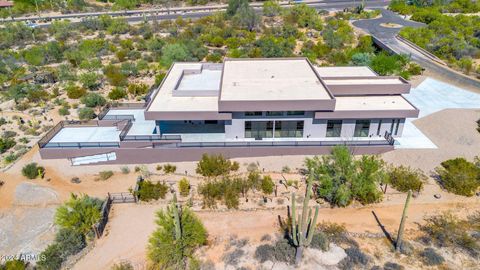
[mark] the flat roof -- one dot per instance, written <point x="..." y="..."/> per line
<point x="354" y="71"/>
<point x="165" y="101"/>
<point x="204" y="79"/>
<point x="372" y="103"/>
<point x="282" y="79"/>
<point x="86" y="134"/>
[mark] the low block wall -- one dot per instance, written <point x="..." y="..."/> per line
<point x="154" y="155"/>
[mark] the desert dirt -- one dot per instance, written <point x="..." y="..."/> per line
<point x="453" y="131"/>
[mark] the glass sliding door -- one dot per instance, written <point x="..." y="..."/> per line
<point x="362" y="128"/>
<point x="288" y="129"/>
<point x="258" y="129"/>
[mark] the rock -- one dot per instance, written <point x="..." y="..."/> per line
<point x="331" y="257"/>
<point x="282" y="266"/>
<point x="267" y="264"/>
<point x="75" y="180"/>
<point x="437" y="196"/>
<point x="7" y="105"/>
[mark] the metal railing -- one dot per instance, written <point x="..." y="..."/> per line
<point x="103" y="114"/>
<point x="125" y="130"/>
<point x="81" y="144"/>
<point x="52" y="132"/>
<point x="154" y="137"/>
<point x="273" y="143"/>
<point x="119" y="117"/>
<point x="389" y="138"/>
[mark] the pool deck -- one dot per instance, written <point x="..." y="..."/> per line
<point x="86" y="134"/>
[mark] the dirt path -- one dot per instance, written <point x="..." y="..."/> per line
<point x="131" y="225"/>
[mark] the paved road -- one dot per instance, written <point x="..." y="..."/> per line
<point x="387" y="36"/>
<point x="193" y="12"/>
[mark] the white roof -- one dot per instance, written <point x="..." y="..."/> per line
<point x="356" y="71"/>
<point x="271" y="79"/>
<point x="372" y="103"/>
<point x="165" y="101"/>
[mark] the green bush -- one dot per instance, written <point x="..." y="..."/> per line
<point x="169" y="168"/>
<point x="117" y="93"/>
<point x="122" y="266"/>
<point x="63" y="111"/>
<point x="86" y="113"/>
<point x="13" y="265"/>
<point x="5" y="144"/>
<point x="320" y="241"/>
<point x="104" y="175"/>
<point x="137" y="89"/>
<point x="215" y="165"/>
<point x="459" y="176"/>
<point x="92" y="100"/>
<point x="70" y="242"/>
<point x="32" y="170"/>
<point x="149" y="191"/>
<point x="74" y="91"/>
<point x="167" y="252"/>
<point x="405" y="178"/>
<point x="226" y="189"/>
<point x="267" y="185"/>
<point x="53" y="258"/>
<point x="184" y="187"/>
<point x="79" y="213"/>
<point x="342" y="179"/>
<point x="431" y="257"/>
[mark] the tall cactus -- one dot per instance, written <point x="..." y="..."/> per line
<point x="176" y="218"/>
<point x="398" y="243"/>
<point x="303" y="228"/>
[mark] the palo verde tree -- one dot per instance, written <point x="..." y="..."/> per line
<point x="303" y="228"/>
<point x="179" y="233"/>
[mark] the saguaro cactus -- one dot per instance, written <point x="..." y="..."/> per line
<point x="398" y="243"/>
<point x="176" y="217"/>
<point x="303" y="228"/>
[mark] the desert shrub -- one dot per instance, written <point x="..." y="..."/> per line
<point x="169" y="168"/>
<point x="93" y="100"/>
<point x="336" y="233"/>
<point x="284" y="251"/>
<point x="125" y="169"/>
<point x="286" y="169"/>
<point x="167" y="252"/>
<point x="405" y="178"/>
<point x="79" y="213"/>
<point x="122" y="266"/>
<point x="5" y="144"/>
<point x="267" y="185"/>
<point x="53" y="258"/>
<point x="355" y="257"/>
<point x="63" y="111"/>
<point x="342" y="179"/>
<point x="117" y="93"/>
<point x="225" y="189"/>
<point x="459" y="176"/>
<point x="14" y="264"/>
<point x="159" y="167"/>
<point x="319" y="241"/>
<point x="430" y="257"/>
<point x="74" y="91"/>
<point x="265" y="253"/>
<point x="137" y="89"/>
<point x="446" y="230"/>
<point x="70" y="242"/>
<point x="32" y="170"/>
<point x="149" y="191"/>
<point x="233" y="257"/>
<point x="184" y="187"/>
<point x="215" y="165"/>
<point x="86" y="114"/>
<point x="392" y="266"/>
<point x="104" y="175"/>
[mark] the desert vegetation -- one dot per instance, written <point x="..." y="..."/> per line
<point x="449" y="34"/>
<point x="459" y="176"/>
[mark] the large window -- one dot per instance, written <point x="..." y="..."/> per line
<point x="265" y="129"/>
<point x="258" y="129"/>
<point x="288" y="129"/>
<point x="362" y="127"/>
<point x="334" y="128"/>
<point x="295" y="112"/>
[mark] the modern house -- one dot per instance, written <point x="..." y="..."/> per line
<point x="241" y="108"/>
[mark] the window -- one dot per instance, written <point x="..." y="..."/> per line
<point x="379" y="126"/>
<point x="362" y="128"/>
<point x="295" y="113"/>
<point x="258" y="129"/>
<point x="334" y="128"/>
<point x="211" y="122"/>
<point x="274" y="113"/>
<point x="253" y="113"/>
<point x="288" y="129"/>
